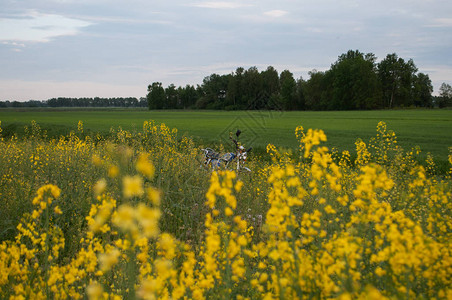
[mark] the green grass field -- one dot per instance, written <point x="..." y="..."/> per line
<point x="431" y="130"/>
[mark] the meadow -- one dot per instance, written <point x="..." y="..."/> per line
<point x="428" y="129"/>
<point x="133" y="214"/>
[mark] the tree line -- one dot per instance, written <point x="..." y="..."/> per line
<point x="354" y="82"/>
<point x="80" y="102"/>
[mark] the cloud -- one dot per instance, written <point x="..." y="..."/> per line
<point x="155" y="19"/>
<point x="16" y="47"/>
<point x="219" y="5"/>
<point x="441" y="22"/>
<point x="275" y="13"/>
<point x="37" y="27"/>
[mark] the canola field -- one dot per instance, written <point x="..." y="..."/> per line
<point x="135" y="216"/>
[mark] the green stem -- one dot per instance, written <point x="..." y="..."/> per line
<point x="46" y="254"/>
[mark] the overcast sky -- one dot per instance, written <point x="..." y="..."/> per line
<point x="112" y="48"/>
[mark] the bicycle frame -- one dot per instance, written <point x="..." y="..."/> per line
<point x="215" y="160"/>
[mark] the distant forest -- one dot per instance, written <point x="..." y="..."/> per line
<point x="354" y="82"/>
<point x="80" y="102"/>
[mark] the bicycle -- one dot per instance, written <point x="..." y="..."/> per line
<point x="215" y="160"/>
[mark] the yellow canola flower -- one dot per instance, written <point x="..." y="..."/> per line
<point x="57" y="210"/>
<point x="329" y="209"/>
<point x="167" y="244"/>
<point x="238" y="186"/>
<point x="228" y="211"/>
<point x="53" y="189"/>
<point x="312" y="138"/>
<point x="80" y="126"/>
<point x="132" y="186"/>
<point x="154" y="195"/>
<point x="109" y="259"/>
<point x="163" y="267"/>
<point x="113" y="171"/>
<point x="100" y="187"/>
<point x="144" y="166"/>
<point x="94" y="291"/>
<point x="140" y="221"/>
<point x="125" y="218"/>
<point x="148" y="218"/>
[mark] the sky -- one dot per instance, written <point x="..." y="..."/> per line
<point x="113" y="48"/>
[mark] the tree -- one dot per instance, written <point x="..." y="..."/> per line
<point x="156" y="96"/>
<point x="422" y="91"/>
<point x="252" y="89"/>
<point x="396" y="78"/>
<point x="354" y="83"/>
<point x="288" y="90"/>
<point x="300" y="98"/>
<point x="314" y="89"/>
<point x="270" y="89"/>
<point x="234" y="90"/>
<point x="270" y="80"/>
<point x="188" y="96"/>
<point x="445" y="95"/>
<point x="172" y="97"/>
<point x="143" y="102"/>
<point x="214" y="92"/>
